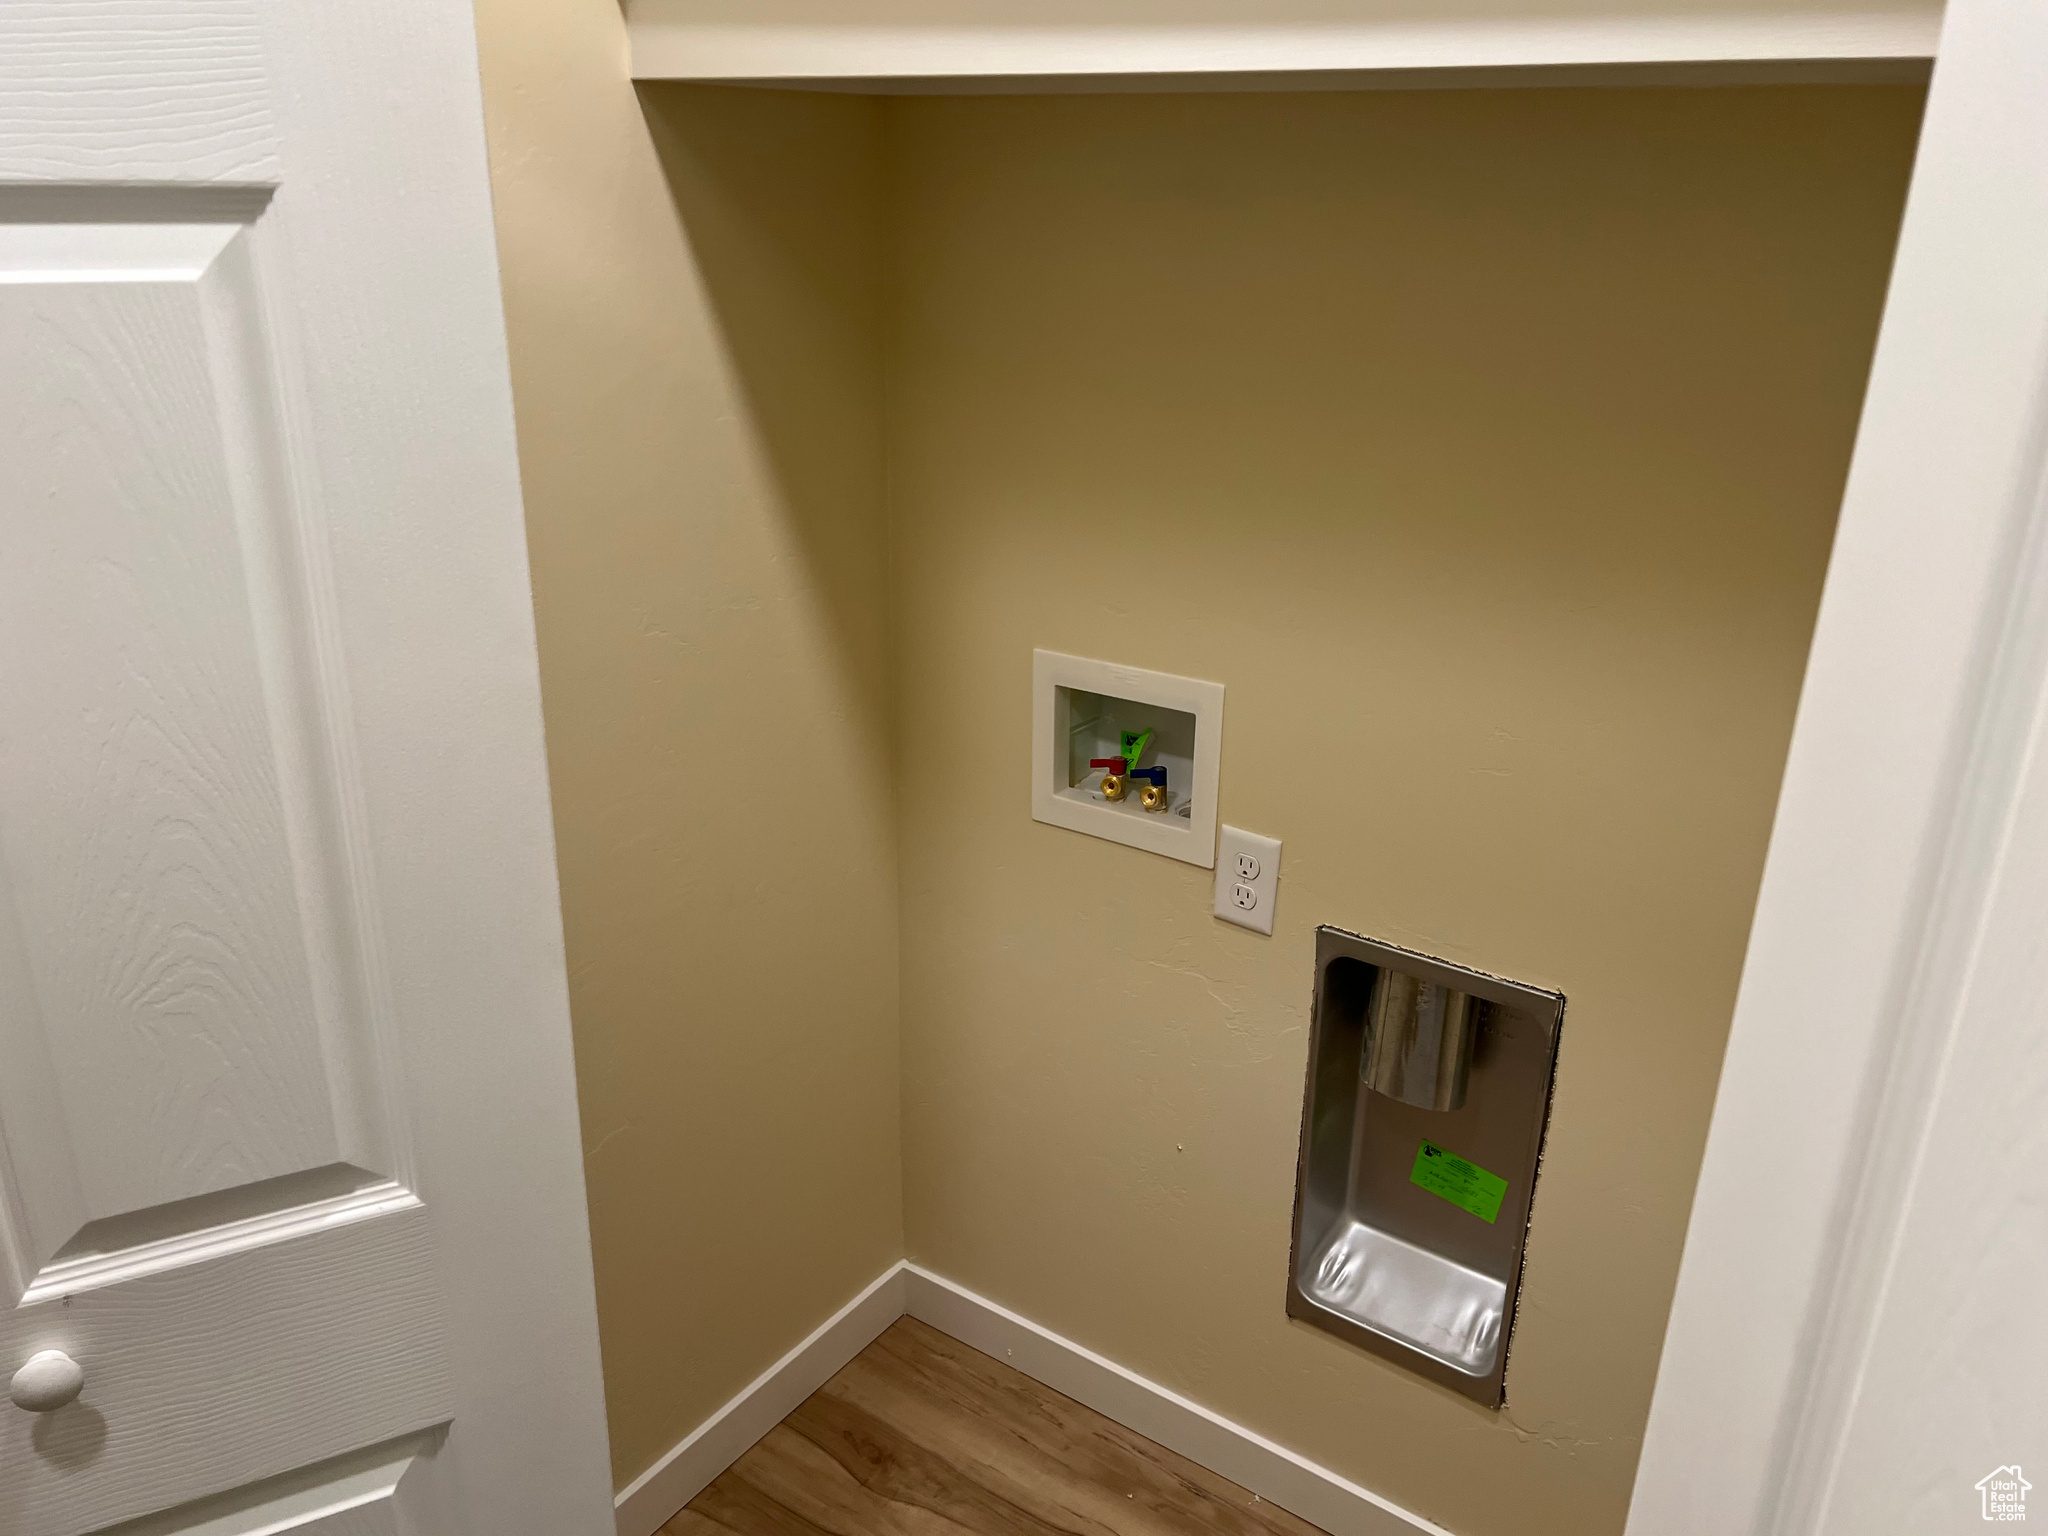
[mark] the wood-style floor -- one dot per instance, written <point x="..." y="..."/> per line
<point x="922" y="1436"/>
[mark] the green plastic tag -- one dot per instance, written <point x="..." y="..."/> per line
<point x="1135" y="743"/>
<point x="1460" y="1182"/>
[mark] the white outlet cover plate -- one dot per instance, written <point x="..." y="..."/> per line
<point x="1247" y="878"/>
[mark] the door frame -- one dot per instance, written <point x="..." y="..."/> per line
<point x="1910" y="749"/>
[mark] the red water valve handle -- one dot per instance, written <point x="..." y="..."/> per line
<point x="1115" y="765"/>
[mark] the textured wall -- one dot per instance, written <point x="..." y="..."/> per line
<point x="1487" y="447"/>
<point x="692" y="295"/>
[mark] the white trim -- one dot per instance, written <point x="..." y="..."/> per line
<point x="74" y="1277"/>
<point x="654" y="1497"/>
<point x="905" y="55"/>
<point x="1247" y="1458"/>
<point x="1873" y="960"/>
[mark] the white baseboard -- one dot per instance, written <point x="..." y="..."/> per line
<point x="655" y="1495"/>
<point x="1250" y="1460"/>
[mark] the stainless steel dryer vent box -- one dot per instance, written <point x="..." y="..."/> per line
<point x="1421" y="1131"/>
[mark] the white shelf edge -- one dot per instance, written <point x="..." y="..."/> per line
<point x="1817" y="43"/>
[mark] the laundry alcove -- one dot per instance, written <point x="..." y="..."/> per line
<point x="1485" y="444"/>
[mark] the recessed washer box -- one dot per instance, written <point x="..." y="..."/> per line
<point x="1081" y="710"/>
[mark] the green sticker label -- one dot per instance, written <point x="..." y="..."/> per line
<point x="1460" y="1182"/>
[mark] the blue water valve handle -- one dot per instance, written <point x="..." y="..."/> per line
<point x="1155" y="775"/>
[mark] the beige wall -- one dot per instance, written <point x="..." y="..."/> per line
<point x="1486" y="447"/>
<point x="691" y="289"/>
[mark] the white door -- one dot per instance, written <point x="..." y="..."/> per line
<point x="288" y="1155"/>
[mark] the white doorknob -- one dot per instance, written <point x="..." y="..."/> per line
<point x="49" y="1380"/>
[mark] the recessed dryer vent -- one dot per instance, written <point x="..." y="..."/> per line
<point x="1422" y="1126"/>
<point x="1126" y="754"/>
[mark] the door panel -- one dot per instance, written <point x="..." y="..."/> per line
<point x="370" y="1493"/>
<point x="134" y="91"/>
<point x="222" y="1372"/>
<point x="183" y="1005"/>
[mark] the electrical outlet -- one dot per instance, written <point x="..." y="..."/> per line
<point x="1247" y="878"/>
